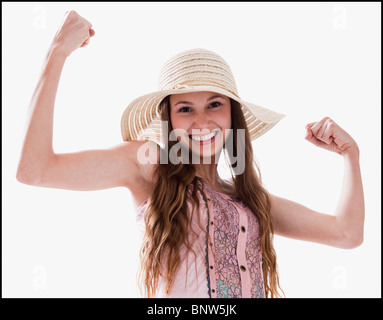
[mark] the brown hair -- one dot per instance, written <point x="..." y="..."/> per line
<point x="167" y="221"/>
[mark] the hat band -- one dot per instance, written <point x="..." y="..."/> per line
<point x="180" y="86"/>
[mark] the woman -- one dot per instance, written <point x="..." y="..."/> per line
<point x="203" y="236"/>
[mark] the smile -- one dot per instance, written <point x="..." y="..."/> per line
<point x="204" y="139"/>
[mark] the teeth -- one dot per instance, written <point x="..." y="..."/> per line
<point x="205" y="137"/>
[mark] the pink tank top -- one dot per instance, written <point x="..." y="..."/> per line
<point x="228" y="262"/>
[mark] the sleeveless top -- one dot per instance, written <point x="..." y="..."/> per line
<point x="227" y="262"/>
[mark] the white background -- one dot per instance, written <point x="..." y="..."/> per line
<point x="305" y="60"/>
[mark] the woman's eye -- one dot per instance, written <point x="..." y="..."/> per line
<point x="187" y="109"/>
<point x="215" y="104"/>
<point x="184" y="109"/>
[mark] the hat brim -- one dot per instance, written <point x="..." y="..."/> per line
<point x="141" y="120"/>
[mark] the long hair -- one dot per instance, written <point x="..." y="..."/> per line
<point x="166" y="217"/>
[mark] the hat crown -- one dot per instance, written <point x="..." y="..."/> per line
<point x="195" y="68"/>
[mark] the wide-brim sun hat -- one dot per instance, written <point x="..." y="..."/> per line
<point x="193" y="70"/>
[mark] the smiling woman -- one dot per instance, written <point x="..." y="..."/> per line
<point x="183" y="218"/>
<point x="201" y="120"/>
<point x="203" y="236"/>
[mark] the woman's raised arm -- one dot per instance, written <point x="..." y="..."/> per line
<point x="344" y="229"/>
<point x="85" y="170"/>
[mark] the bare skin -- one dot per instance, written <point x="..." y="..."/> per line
<point x="39" y="165"/>
<point x="118" y="166"/>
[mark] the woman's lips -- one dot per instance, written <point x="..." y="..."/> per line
<point x="204" y="142"/>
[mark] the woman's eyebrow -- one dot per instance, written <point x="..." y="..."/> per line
<point x="188" y="102"/>
<point x="183" y="102"/>
<point x="213" y="97"/>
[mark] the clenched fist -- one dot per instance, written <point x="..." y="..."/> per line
<point x="330" y="136"/>
<point x="74" y="32"/>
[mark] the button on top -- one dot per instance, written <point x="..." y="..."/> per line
<point x="242" y="268"/>
<point x="243" y="229"/>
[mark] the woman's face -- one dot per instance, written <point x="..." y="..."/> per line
<point x="199" y="120"/>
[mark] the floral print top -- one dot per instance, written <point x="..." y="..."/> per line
<point x="228" y="259"/>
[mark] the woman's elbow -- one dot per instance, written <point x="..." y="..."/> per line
<point x="28" y="178"/>
<point x="351" y="235"/>
<point x="353" y="241"/>
<point x="356" y="242"/>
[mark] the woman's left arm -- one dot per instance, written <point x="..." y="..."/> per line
<point x="344" y="229"/>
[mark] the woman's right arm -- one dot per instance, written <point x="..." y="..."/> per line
<point x="85" y="170"/>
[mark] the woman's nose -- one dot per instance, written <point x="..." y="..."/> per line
<point x="201" y="121"/>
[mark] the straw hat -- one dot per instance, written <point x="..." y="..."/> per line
<point x="190" y="71"/>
